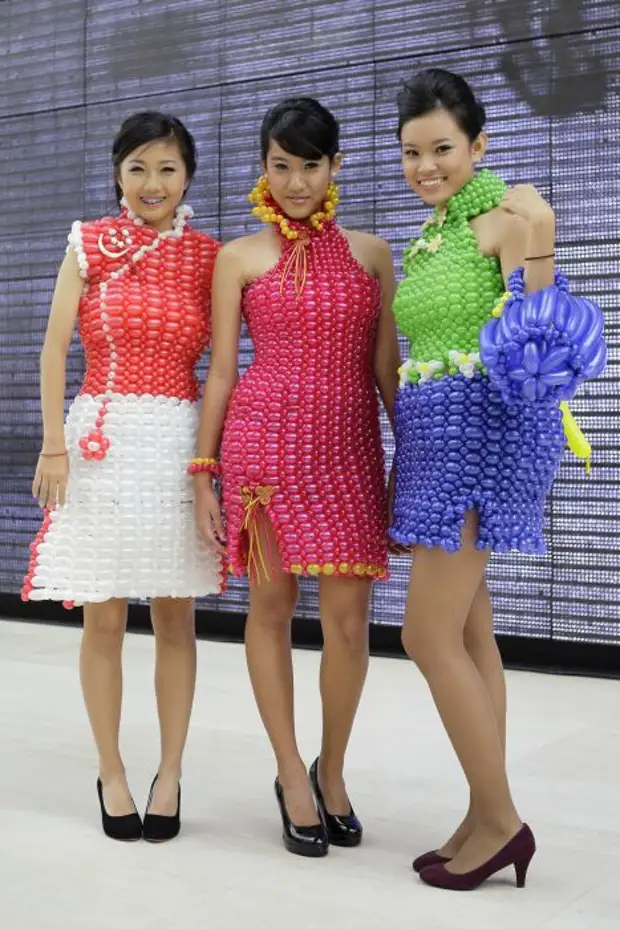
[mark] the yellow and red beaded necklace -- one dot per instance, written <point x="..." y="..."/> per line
<point x="266" y="210"/>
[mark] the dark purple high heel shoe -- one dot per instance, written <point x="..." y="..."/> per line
<point x="427" y="860"/>
<point x="518" y="852"/>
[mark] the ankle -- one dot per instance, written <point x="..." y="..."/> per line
<point x="500" y="827"/>
<point x="169" y="771"/>
<point x="112" y="773"/>
<point x="330" y="770"/>
<point x="291" y="770"/>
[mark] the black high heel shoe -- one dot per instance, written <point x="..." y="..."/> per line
<point x="126" y="828"/>
<point x="160" y="828"/>
<point x="309" y="841"/>
<point x="342" y="829"/>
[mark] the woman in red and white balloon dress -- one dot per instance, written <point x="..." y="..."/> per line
<point x="127" y="527"/>
<point x="113" y="479"/>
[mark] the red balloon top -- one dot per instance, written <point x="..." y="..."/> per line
<point x="144" y="316"/>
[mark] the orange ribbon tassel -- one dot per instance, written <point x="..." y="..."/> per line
<point x="255" y="500"/>
<point x="297" y="259"/>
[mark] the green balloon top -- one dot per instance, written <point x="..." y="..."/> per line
<point x="450" y="287"/>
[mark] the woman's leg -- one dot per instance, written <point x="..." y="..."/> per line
<point x="270" y="665"/>
<point x="482" y="648"/>
<point x="175" y="680"/>
<point x="344" y="665"/>
<point x="102" y="686"/>
<point x="441" y="594"/>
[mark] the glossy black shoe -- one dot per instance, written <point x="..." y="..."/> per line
<point x="309" y="841"/>
<point x="126" y="828"/>
<point x="160" y="828"/>
<point x="342" y="829"/>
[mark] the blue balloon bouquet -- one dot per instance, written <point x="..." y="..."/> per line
<point x="540" y="347"/>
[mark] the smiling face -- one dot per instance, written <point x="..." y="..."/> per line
<point x="438" y="157"/>
<point x="298" y="185"/>
<point x="153" y="178"/>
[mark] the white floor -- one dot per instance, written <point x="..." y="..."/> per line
<point x="228" y="868"/>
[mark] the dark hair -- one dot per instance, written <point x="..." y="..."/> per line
<point x="151" y="126"/>
<point x="438" y="89"/>
<point x="302" y="127"/>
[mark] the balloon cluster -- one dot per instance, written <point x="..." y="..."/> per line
<point x="544" y="345"/>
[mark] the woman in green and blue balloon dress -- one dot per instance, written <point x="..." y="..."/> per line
<point x="497" y="347"/>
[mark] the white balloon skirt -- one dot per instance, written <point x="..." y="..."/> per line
<point x="127" y="527"/>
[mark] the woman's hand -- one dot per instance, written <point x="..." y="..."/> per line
<point x="527" y="236"/>
<point x="50" y="480"/>
<point x="208" y="514"/>
<point x="524" y="200"/>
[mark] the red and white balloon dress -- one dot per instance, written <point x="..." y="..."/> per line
<point x="127" y="528"/>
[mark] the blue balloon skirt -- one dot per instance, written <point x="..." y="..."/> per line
<point x="459" y="447"/>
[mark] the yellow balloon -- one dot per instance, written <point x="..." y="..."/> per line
<point x="577" y="442"/>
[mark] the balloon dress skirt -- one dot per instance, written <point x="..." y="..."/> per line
<point x="459" y="447"/>
<point x="127" y="529"/>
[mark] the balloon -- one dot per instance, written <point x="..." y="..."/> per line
<point x="517" y="311"/>
<point x="516" y="281"/>
<point x="529" y="389"/>
<point x="507" y="329"/>
<point x="596" y="329"/>
<point x="530" y="308"/>
<point x="558" y="378"/>
<point x="577" y="442"/>
<point x="547" y="303"/>
<point x="531" y="358"/>
<point x="562" y="311"/>
<point x="487" y="340"/>
<point x="513" y="355"/>
<point x="597" y="364"/>
<point x="554" y="358"/>
<point x="578" y="318"/>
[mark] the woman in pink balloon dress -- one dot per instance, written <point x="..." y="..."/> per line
<point x="301" y="456"/>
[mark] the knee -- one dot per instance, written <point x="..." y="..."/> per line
<point x="104" y="628"/>
<point x="473" y="639"/>
<point x="272" y="605"/>
<point x="480" y="644"/>
<point x="410" y="642"/>
<point x="348" y="629"/>
<point x="173" y="622"/>
<point x="421" y="646"/>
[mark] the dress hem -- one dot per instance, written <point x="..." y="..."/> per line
<point x="450" y="545"/>
<point x="69" y="601"/>
<point x="329" y="569"/>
